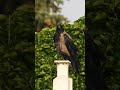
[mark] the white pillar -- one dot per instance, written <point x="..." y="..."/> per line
<point x="62" y="81"/>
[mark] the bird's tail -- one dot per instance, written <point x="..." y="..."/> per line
<point x="76" y="65"/>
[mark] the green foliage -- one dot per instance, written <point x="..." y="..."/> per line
<point x="9" y="6"/>
<point x="17" y="49"/>
<point x="102" y="21"/>
<point x="45" y="54"/>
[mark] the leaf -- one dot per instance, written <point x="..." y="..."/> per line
<point x="98" y="2"/>
<point x="98" y="42"/>
<point x="100" y="16"/>
<point x="13" y="54"/>
<point x="2" y="17"/>
<point x="109" y="47"/>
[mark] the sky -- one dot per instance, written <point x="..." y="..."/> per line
<point x="73" y="9"/>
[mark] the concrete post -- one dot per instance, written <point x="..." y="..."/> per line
<point x="62" y="81"/>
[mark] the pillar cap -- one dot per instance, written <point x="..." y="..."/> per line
<point x="62" y="61"/>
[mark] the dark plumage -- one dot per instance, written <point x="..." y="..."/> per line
<point x="66" y="48"/>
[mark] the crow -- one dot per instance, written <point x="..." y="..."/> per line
<point x="66" y="48"/>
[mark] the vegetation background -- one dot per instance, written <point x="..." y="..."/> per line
<point x="102" y="19"/>
<point x="17" y="44"/>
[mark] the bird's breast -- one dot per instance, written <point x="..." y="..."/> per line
<point x="62" y="45"/>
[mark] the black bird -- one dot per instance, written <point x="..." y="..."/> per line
<point x="66" y="48"/>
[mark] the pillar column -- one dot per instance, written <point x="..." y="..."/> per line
<point x="62" y="81"/>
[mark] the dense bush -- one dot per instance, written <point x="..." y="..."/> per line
<point x="103" y="23"/>
<point x="45" y="54"/>
<point x="17" y="49"/>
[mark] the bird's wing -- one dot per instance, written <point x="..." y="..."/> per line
<point x="69" y="43"/>
<point x="73" y="52"/>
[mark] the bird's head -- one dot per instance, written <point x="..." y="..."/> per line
<point x="59" y="28"/>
